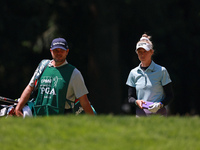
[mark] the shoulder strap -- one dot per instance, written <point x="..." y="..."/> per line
<point x="40" y="69"/>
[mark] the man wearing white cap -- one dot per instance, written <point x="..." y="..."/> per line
<point x="59" y="85"/>
<point x="149" y="84"/>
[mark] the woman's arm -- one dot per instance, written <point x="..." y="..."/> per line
<point x="168" y="94"/>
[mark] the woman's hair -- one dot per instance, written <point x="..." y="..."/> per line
<point x="146" y="38"/>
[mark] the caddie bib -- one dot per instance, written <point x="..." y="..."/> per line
<point x="52" y="89"/>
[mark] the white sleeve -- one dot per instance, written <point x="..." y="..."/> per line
<point x="76" y="87"/>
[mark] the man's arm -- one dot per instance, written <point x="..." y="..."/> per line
<point x="86" y="104"/>
<point x="23" y="99"/>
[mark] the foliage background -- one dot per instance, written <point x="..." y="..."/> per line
<point x="102" y="35"/>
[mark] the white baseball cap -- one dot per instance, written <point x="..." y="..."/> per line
<point x="143" y="45"/>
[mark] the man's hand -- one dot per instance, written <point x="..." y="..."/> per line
<point x="155" y="107"/>
<point x="86" y="104"/>
<point x="23" y="99"/>
<point x="18" y="113"/>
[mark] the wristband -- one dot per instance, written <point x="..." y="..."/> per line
<point x="136" y="103"/>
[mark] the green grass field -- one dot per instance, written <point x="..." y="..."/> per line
<point x="104" y="132"/>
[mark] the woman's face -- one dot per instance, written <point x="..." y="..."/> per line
<point x="143" y="55"/>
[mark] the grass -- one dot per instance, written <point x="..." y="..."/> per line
<point x="104" y="132"/>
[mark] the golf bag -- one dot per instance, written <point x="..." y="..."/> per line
<point x="7" y="107"/>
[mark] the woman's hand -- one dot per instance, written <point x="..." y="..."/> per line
<point x="139" y="103"/>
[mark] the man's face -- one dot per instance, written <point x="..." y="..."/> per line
<point x="59" y="55"/>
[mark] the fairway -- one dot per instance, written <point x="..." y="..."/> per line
<point x="103" y="132"/>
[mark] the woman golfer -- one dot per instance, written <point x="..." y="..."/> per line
<point x="149" y="84"/>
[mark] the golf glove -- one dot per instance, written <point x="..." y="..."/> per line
<point x="155" y="107"/>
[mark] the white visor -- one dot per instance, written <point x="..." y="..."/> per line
<point x="143" y="45"/>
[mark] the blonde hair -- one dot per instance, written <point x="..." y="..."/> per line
<point x="146" y="38"/>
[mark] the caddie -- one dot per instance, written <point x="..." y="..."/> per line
<point x="59" y="85"/>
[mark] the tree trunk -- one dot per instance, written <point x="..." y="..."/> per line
<point x="104" y="67"/>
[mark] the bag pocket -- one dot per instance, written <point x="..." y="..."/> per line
<point x="46" y="110"/>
